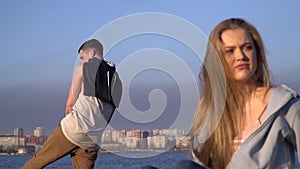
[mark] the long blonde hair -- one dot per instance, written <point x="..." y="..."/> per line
<point x="218" y="120"/>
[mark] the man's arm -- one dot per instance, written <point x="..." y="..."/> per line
<point x="75" y="88"/>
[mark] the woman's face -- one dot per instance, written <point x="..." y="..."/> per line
<point x="240" y="54"/>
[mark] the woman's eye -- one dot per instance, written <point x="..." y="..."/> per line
<point x="248" y="47"/>
<point x="230" y="51"/>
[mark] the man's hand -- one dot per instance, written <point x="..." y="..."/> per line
<point x="68" y="110"/>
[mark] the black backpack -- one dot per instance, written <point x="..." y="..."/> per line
<point x="108" y="86"/>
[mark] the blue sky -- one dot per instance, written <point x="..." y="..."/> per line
<point x="39" y="42"/>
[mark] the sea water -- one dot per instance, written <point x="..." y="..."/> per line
<point x="107" y="161"/>
<point x="104" y="161"/>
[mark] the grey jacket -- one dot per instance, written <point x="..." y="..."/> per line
<point x="273" y="145"/>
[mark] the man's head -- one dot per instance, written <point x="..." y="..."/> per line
<point x="89" y="49"/>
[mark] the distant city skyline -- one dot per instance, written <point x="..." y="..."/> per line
<point x="19" y="131"/>
<point x="154" y="140"/>
<point x="40" y="131"/>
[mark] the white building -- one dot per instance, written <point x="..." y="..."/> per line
<point x="18" y="132"/>
<point x="172" y="132"/>
<point x="8" y="142"/>
<point x="107" y="136"/>
<point x="159" y="142"/>
<point x="39" y="131"/>
<point x="118" y="136"/>
<point x="183" y="141"/>
<point x="132" y="142"/>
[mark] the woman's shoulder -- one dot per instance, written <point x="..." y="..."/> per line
<point x="284" y="90"/>
<point x="282" y="96"/>
<point x="289" y="89"/>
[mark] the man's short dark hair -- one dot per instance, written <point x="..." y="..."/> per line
<point x="92" y="44"/>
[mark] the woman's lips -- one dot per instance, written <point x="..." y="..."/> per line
<point x="242" y="66"/>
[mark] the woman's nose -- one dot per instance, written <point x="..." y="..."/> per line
<point x="239" y="55"/>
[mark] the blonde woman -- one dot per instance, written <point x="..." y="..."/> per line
<point x="243" y="121"/>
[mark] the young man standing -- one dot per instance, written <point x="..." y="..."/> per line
<point x="79" y="133"/>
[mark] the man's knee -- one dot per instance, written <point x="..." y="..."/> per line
<point x="83" y="158"/>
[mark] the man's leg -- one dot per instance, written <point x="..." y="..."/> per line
<point x="84" y="159"/>
<point x="56" y="147"/>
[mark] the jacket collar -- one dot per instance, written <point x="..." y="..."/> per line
<point x="278" y="98"/>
